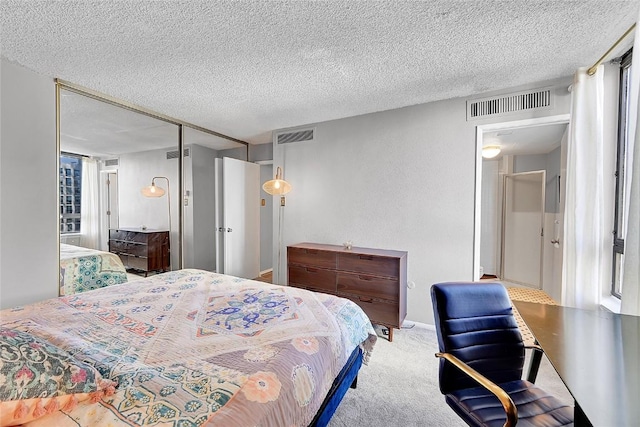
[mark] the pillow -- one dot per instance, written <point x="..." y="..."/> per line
<point x="38" y="378"/>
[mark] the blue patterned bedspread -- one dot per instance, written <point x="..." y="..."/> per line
<point x="83" y="269"/>
<point x="191" y="348"/>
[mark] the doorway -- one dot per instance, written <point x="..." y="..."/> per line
<point x="527" y="146"/>
<point x="523" y="228"/>
<point x="237" y="217"/>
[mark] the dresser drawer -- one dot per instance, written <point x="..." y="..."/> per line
<point x="134" y="262"/>
<point x="118" y="235"/>
<point x="131" y="236"/>
<point x="310" y="277"/>
<point x="369" y="286"/>
<point x="130" y="248"/>
<point x="369" y="264"/>
<point x="311" y="257"/>
<point x="383" y="313"/>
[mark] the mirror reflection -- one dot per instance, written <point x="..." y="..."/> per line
<point x="122" y="204"/>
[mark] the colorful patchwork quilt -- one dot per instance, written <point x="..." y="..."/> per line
<point x="190" y="348"/>
<point x="83" y="269"/>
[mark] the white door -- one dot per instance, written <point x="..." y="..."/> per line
<point x="523" y="228"/>
<point x="238" y="218"/>
<point x="109" y="205"/>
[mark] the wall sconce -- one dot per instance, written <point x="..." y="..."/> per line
<point x="277" y="186"/>
<point x="490" y="151"/>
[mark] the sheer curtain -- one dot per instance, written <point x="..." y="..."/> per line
<point x="583" y="275"/>
<point x="630" y="301"/>
<point x="89" y="209"/>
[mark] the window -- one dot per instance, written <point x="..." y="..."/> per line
<point x="623" y="142"/>
<point x="70" y="193"/>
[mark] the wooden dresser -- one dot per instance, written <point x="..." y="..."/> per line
<point x="145" y="250"/>
<point x="375" y="279"/>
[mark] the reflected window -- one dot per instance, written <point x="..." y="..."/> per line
<point x="624" y="139"/>
<point x="70" y="193"/>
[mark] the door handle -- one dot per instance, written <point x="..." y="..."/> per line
<point x="229" y="230"/>
<point x="554" y="241"/>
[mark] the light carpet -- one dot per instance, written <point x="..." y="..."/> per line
<point x="399" y="387"/>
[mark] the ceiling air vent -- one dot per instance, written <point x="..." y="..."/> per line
<point x="175" y="154"/>
<point x="111" y="162"/>
<point x="511" y="103"/>
<point x="297" y="135"/>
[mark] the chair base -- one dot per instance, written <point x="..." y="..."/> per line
<point x="478" y="407"/>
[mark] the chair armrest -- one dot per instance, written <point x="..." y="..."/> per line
<point x="535" y="347"/>
<point x="508" y="405"/>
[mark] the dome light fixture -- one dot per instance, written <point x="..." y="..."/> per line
<point x="490" y="151"/>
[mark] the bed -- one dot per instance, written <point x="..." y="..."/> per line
<point x="83" y="269"/>
<point x="190" y="347"/>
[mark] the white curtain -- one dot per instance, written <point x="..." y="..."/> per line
<point x="89" y="209"/>
<point x="630" y="302"/>
<point x="583" y="275"/>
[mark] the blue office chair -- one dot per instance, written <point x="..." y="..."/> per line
<point x="481" y="358"/>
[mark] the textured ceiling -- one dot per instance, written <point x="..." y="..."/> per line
<point x="247" y="68"/>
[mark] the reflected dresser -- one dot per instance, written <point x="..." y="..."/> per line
<point x="375" y="279"/>
<point x="143" y="250"/>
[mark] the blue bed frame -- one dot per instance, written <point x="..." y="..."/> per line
<point x="347" y="378"/>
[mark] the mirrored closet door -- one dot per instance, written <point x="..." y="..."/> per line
<point x="136" y="191"/>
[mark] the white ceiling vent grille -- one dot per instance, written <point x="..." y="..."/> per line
<point x="297" y="135"/>
<point x="112" y="162"/>
<point x="175" y="154"/>
<point x="511" y="103"/>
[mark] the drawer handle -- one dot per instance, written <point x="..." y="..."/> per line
<point x="365" y="299"/>
<point x="366" y="257"/>
<point x="311" y="270"/>
<point x="311" y="251"/>
<point x="365" y="278"/>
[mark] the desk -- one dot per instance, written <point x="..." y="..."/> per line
<point x="597" y="356"/>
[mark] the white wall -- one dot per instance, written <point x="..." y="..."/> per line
<point x="402" y="179"/>
<point x="136" y="171"/>
<point x="202" y="204"/>
<point x="28" y="187"/>
<point x="491" y="217"/>
<point x="266" y="221"/>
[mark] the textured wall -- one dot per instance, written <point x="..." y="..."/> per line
<point x="393" y="180"/>
<point x="266" y="220"/>
<point x="29" y="180"/>
<point x="202" y="203"/>
<point x="136" y="171"/>
<point x="401" y="179"/>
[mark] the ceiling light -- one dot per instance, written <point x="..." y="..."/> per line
<point x="490" y="151"/>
